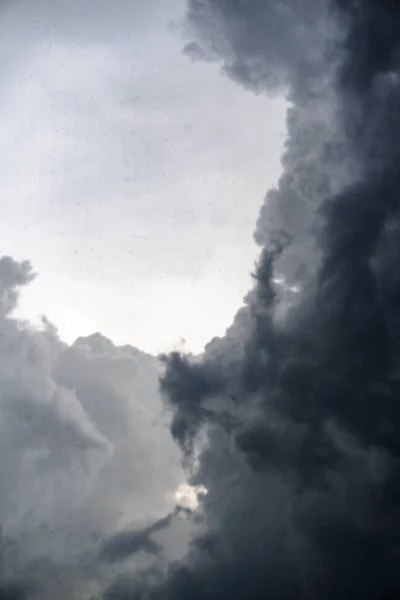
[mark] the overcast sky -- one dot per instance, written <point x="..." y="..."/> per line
<point x="130" y="176"/>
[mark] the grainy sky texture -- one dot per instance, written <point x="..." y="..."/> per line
<point x="130" y="177"/>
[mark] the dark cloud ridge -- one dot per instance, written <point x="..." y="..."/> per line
<point x="302" y="455"/>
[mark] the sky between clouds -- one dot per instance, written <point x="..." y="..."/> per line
<point x="130" y="177"/>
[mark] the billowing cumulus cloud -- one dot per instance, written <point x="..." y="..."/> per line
<point x="85" y="448"/>
<point x="296" y="437"/>
<point x="291" y="422"/>
<point x="272" y="48"/>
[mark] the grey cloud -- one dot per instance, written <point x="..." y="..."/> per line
<point x="294" y="430"/>
<point x="39" y="417"/>
<point x="119" y="388"/>
<point x="15" y="591"/>
<point x="262" y="47"/>
<point x="273" y="49"/>
<point x="127" y="543"/>
<point x="303" y="478"/>
<point x="85" y="447"/>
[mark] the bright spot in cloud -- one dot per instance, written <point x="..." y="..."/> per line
<point x="187" y="496"/>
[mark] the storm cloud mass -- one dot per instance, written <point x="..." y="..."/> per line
<point x="301" y="458"/>
<point x="291" y="422"/>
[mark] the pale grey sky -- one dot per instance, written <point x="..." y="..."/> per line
<point x="130" y="176"/>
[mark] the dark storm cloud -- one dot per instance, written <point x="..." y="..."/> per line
<point x="15" y="591"/>
<point x="127" y="543"/>
<point x="294" y="430"/>
<point x="302" y="454"/>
